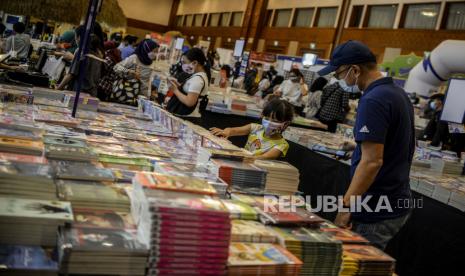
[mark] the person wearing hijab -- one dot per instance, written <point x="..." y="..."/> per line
<point x="138" y="65"/>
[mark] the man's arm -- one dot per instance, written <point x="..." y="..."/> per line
<point x="367" y="170"/>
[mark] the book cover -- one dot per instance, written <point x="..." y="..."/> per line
<point x="259" y="254"/>
<point x="84" y="172"/>
<point x="91" y="239"/>
<point x="104" y="219"/>
<point x="174" y="183"/>
<point x="36" y="209"/>
<point x="64" y="141"/>
<point x="299" y="217"/>
<point x="365" y="253"/>
<point x="23" y="158"/>
<point x="240" y="210"/>
<point x="21" y="144"/>
<point x="20" y="134"/>
<point x="19" y="257"/>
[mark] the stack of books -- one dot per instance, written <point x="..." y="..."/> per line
<point x="31" y="221"/>
<point x="55" y="118"/>
<point x="27" y="180"/>
<point x="83" y="171"/>
<point x="94" y="195"/>
<point x="366" y="260"/>
<point x="320" y="255"/>
<point x="452" y="167"/>
<point x="252" y="231"/>
<point x="282" y="177"/>
<point x="155" y="181"/>
<point x="261" y="259"/>
<point x="125" y="162"/>
<point x="101" y="251"/>
<point x="190" y="236"/>
<point x="240" y="210"/>
<point x="205" y="154"/>
<point x="202" y="171"/>
<point x="18" y="260"/>
<point x="241" y="176"/>
<point x="297" y="217"/>
<point x="340" y="234"/>
<point x="21" y="146"/>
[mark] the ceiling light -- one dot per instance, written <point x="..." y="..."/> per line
<point x="429" y="13"/>
<point x="276" y="43"/>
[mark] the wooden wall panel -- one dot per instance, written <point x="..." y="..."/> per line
<point x="322" y="37"/>
<point x="416" y="41"/>
<point x="144" y="25"/>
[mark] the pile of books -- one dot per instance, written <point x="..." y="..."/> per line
<point x="202" y="171"/>
<point x="101" y="251"/>
<point x="366" y="260"/>
<point x="320" y="255"/>
<point x="252" y="231"/>
<point x="340" y="234"/>
<point x="241" y="176"/>
<point x="261" y="259"/>
<point x="277" y="216"/>
<point x="27" y="180"/>
<point x="94" y="195"/>
<point x="31" y="221"/>
<point x="240" y="210"/>
<point x="21" y="146"/>
<point x="205" y="154"/>
<point x="19" y="260"/>
<point x="82" y="171"/>
<point x="282" y="177"/>
<point x="189" y="236"/>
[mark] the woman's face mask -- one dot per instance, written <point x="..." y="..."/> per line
<point x="152" y="55"/>
<point x="294" y="78"/>
<point x="272" y="128"/>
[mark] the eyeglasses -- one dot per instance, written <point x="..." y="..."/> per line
<point x="337" y="74"/>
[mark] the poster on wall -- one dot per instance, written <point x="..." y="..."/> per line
<point x="263" y="57"/>
<point x="179" y="43"/>
<point x="239" y="47"/>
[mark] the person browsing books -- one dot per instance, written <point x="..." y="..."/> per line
<point x="265" y="141"/>
<point x="185" y="101"/>
<point x="385" y="135"/>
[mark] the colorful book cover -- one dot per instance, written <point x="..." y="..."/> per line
<point x="64" y="141"/>
<point x="104" y="219"/>
<point x="20" y="134"/>
<point x="240" y="210"/>
<point x="365" y="253"/>
<point x="259" y="254"/>
<point x="103" y="240"/>
<point x="36" y="209"/>
<point x="84" y="172"/>
<point x="299" y="217"/>
<point x="21" y="144"/>
<point x="90" y="191"/>
<point x="19" y="257"/>
<point x="174" y="183"/>
<point x="23" y="158"/>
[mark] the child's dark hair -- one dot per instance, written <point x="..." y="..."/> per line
<point x="279" y="110"/>
<point x="195" y="54"/>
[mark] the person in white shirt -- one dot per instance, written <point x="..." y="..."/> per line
<point x="18" y="44"/>
<point x="293" y="89"/>
<point x="185" y="101"/>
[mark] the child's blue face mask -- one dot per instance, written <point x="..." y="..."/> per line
<point x="272" y="128"/>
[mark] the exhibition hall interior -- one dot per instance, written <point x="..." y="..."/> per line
<point x="244" y="137"/>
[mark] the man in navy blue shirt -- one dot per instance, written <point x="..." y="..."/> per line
<point x="385" y="143"/>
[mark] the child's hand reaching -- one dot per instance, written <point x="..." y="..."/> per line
<point x="225" y="133"/>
